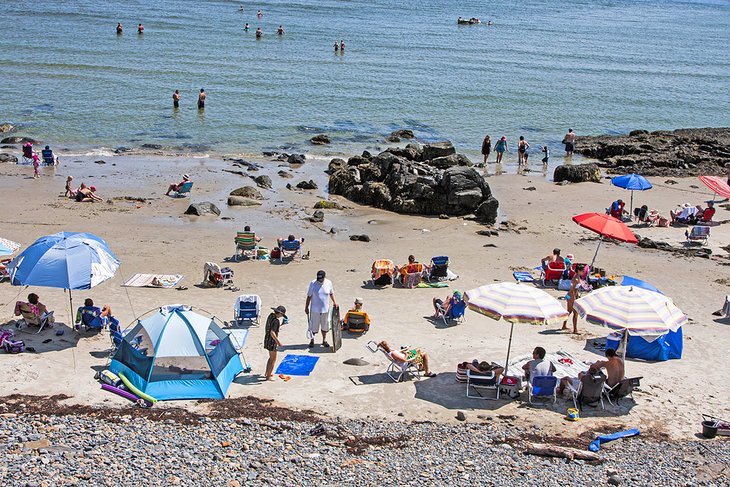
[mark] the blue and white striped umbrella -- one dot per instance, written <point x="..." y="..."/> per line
<point x="65" y="260"/>
<point x="630" y="308"/>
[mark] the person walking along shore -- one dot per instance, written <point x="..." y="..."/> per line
<point x="486" y="148"/>
<point x="500" y="148"/>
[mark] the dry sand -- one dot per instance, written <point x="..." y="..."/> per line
<point x="154" y="237"/>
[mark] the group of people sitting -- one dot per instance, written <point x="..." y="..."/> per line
<point x="82" y="195"/>
<point x="35" y="313"/>
<point x="49" y="158"/>
<point x="692" y="215"/>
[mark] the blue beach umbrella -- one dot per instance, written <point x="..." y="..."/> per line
<point x="632" y="182"/>
<point x="65" y="260"/>
<point x="632" y="281"/>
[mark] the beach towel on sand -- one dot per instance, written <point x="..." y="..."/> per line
<point x="297" y="365"/>
<point x="432" y="284"/>
<point x="154" y="280"/>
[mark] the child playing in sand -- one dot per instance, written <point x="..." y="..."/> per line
<point x="70" y="193"/>
<point x="36" y="164"/>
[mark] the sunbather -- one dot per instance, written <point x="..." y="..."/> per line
<point x="485" y="368"/>
<point x="685" y="214"/>
<point x="33" y="312"/>
<point x="614" y="370"/>
<point x="247" y="228"/>
<point x="573" y="294"/>
<point x="357" y="310"/>
<point x="441" y="308"/>
<point x="707" y="214"/>
<point x="178" y="186"/>
<point x="290" y="238"/>
<point x="416" y="355"/>
<point x="87" y="313"/>
<point x="538" y="365"/>
<point x="554" y="257"/>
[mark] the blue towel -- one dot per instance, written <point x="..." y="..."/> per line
<point x="297" y="365"/>
<point x="596" y="444"/>
<point x="523" y="276"/>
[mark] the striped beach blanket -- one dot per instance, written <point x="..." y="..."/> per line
<point x="161" y="280"/>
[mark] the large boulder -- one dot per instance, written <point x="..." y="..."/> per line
<point x="307" y="185"/>
<point x="296" y="159"/>
<point x="412" y="152"/>
<point x="320" y="139"/>
<point x="578" y="173"/>
<point x="403" y="134"/>
<point x="17" y="140"/>
<point x="4" y="157"/>
<point x="247" y="192"/>
<point x="204" y="208"/>
<point x="263" y="181"/>
<point x="6" y="127"/>
<point x="242" y="201"/>
<point x="335" y="164"/>
<point x="437" y="149"/>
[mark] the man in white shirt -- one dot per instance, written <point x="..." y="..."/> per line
<point x="318" y="296"/>
<point x="538" y="366"/>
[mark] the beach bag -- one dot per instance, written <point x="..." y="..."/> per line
<point x="275" y="253"/>
<point x="564" y="285"/>
<point x="461" y="372"/>
<point x="110" y="378"/>
<point x="14" y="346"/>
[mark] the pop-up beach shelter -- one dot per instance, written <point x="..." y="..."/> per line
<point x="176" y="353"/>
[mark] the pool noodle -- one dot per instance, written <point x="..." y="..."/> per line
<point x="136" y="391"/>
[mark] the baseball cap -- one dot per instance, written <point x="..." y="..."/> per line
<point x="358" y="300"/>
<point x="321" y="274"/>
<point x="280" y="309"/>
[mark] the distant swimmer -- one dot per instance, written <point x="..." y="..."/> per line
<point x="140" y="29"/>
<point x="337" y="46"/>
<point x="119" y="28"/>
<point x="259" y="14"/>
<point x="246" y="27"/>
<point x="240" y="9"/>
<point x="201" y="99"/>
<point x="259" y="34"/>
<point x="490" y="23"/>
<point x="342" y="47"/>
<point x="176" y="99"/>
<point x="280" y="31"/>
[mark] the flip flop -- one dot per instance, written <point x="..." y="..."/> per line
<point x="182" y="288"/>
<point x="285" y="378"/>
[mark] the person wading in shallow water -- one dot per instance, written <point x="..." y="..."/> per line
<point x="486" y="148"/>
<point x="201" y="99"/>
<point x="569" y="141"/>
<point x="176" y="99"/>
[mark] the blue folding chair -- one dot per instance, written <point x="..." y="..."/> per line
<point x="290" y="248"/>
<point x="247" y="309"/>
<point x="439" y="268"/>
<point x="184" y="189"/>
<point x="456" y="312"/>
<point x="542" y="386"/>
<point x="89" y="317"/>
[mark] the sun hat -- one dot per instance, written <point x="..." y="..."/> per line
<point x="569" y="256"/>
<point x="280" y="309"/>
<point x="504" y="138"/>
<point x="185" y="176"/>
<point x="358" y="300"/>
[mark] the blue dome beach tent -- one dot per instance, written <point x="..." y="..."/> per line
<point x="176" y="353"/>
<point x="64" y="260"/>
<point x="632" y="182"/>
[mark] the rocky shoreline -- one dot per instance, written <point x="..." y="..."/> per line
<point x="679" y="153"/>
<point x="247" y="441"/>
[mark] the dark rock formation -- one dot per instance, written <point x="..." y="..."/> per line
<point x="18" y="140"/>
<point x="415" y="184"/>
<point x="577" y="173"/>
<point x="683" y="152"/>
<point x="4" y="157"/>
<point x="307" y="185"/>
<point x="403" y="134"/>
<point x="204" y="208"/>
<point x="295" y="159"/>
<point x="242" y="201"/>
<point x="317" y="217"/>
<point x="320" y="139"/>
<point x="360" y="238"/>
<point x="263" y="181"/>
<point x="247" y="192"/>
<point x="285" y="174"/>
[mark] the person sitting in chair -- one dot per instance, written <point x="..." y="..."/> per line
<point x="707" y="214"/>
<point x="415" y="355"/>
<point x="409" y="268"/>
<point x="484" y="368"/>
<point x="48" y="157"/>
<point x="89" y="315"/>
<point x="617" y="209"/>
<point x="550" y="259"/>
<point x="178" y="186"/>
<point x="538" y="365"/>
<point x="686" y="214"/>
<point x="614" y="371"/>
<point x="34" y="312"/>
<point x="247" y="229"/>
<point x="290" y="238"/>
<point x="442" y="308"/>
<point x="362" y="318"/>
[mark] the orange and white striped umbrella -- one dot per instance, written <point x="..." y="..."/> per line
<point x="516" y="303"/>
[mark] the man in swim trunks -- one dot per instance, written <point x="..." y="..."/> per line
<point x="176" y="99"/>
<point x="569" y="141"/>
<point x="280" y="30"/>
<point x="201" y="99"/>
<point x="259" y="34"/>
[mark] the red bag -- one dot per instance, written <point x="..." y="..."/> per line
<point x="275" y="253"/>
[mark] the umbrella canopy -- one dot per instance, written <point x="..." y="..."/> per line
<point x="635" y="310"/>
<point x="605" y="226"/>
<point x="634" y="182"/>
<point x="516" y="303"/>
<point x="717" y="185"/>
<point x="7" y="247"/>
<point x="66" y="260"/>
<point x="632" y="281"/>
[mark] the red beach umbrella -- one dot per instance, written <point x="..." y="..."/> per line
<point x="605" y="226"/>
<point x="717" y="185"/>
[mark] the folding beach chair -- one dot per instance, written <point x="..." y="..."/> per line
<point x="439" y="268"/>
<point x="698" y="234"/>
<point x="589" y="390"/>
<point x="290" y="248"/>
<point x="382" y="272"/>
<point x="356" y="321"/>
<point x="31" y="318"/>
<point x="246" y="243"/>
<point x="411" y="275"/>
<point x="542" y="386"/>
<point x="184" y="190"/>
<point x="49" y="159"/>
<point x="89" y="317"/>
<point x="214" y="276"/>
<point x="456" y="312"/>
<point x="625" y="387"/>
<point x="396" y="370"/>
<point x="477" y="381"/>
<point x="553" y="272"/>
<point x="247" y="308"/>
<point x="117" y="336"/>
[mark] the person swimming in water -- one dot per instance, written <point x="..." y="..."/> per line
<point x="246" y="27"/>
<point x="259" y="34"/>
<point x="280" y="31"/>
<point x="342" y="46"/>
<point x="119" y="28"/>
<point x="240" y="9"/>
<point x="259" y="14"/>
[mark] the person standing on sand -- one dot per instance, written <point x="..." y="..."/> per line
<point x="140" y="29"/>
<point x="572" y="295"/>
<point x="522" y="151"/>
<point x="119" y="28"/>
<point x="271" y="337"/>
<point x="500" y="148"/>
<point x="569" y="141"/>
<point x="486" y="148"/>
<point x="176" y="99"/>
<point x="318" y="296"/>
<point x="201" y="99"/>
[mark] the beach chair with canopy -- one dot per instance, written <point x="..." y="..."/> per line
<point x="246" y="244"/>
<point x="439" y="268"/>
<point x="247" y="309"/>
<point x="542" y="386"/>
<point x="397" y="370"/>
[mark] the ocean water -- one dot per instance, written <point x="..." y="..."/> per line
<point x="596" y="66"/>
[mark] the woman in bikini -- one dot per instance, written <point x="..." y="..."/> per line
<point x="415" y="355"/>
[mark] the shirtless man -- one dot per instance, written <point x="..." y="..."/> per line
<point x="554" y="257"/>
<point x="614" y="370"/>
<point x="201" y="99"/>
<point x="119" y="28"/>
<point x="569" y="141"/>
<point x="176" y="99"/>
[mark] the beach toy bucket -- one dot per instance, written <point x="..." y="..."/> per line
<point x="709" y="429"/>
<point x="573" y="414"/>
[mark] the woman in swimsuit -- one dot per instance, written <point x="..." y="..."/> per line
<point x="486" y="148"/>
<point x="522" y="153"/>
<point x="500" y="148"/>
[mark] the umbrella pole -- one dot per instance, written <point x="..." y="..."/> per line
<point x="631" y="205"/>
<point x="625" y="340"/>
<point x="71" y="307"/>
<point x="509" y="347"/>
<point x="600" y="239"/>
